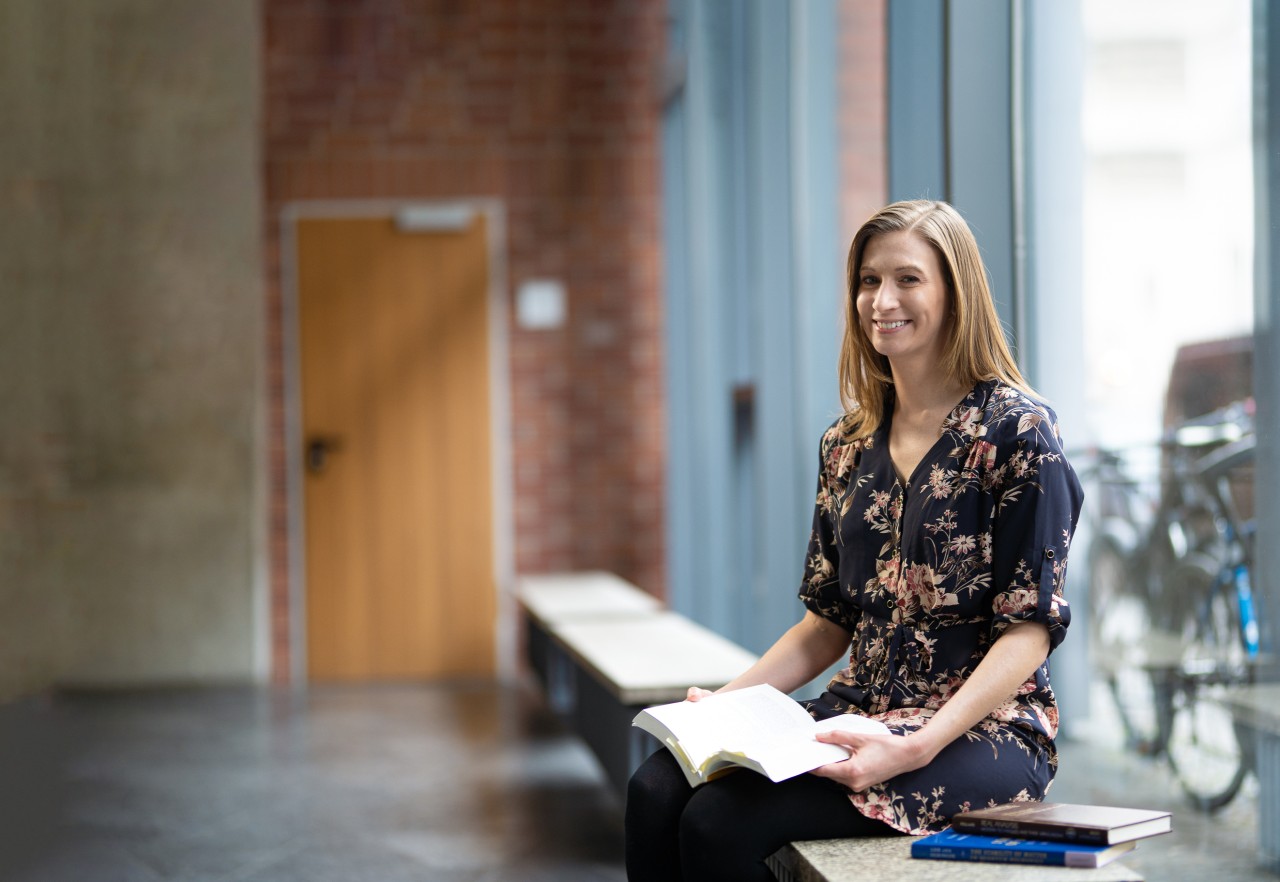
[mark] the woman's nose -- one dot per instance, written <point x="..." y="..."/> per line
<point x="886" y="298"/>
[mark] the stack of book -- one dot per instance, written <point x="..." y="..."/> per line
<point x="1044" y="833"/>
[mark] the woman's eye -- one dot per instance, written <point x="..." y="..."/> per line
<point x="869" y="281"/>
<point x="910" y="280"/>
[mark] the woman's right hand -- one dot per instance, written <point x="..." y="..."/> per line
<point x="696" y="694"/>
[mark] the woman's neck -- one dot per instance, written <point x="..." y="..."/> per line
<point x="925" y="399"/>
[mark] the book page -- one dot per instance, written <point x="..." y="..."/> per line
<point x="758" y="722"/>
<point x="851" y="723"/>
<point x="791" y="753"/>
<point x="782" y="758"/>
<point x="734" y="718"/>
<point x="759" y="714"/>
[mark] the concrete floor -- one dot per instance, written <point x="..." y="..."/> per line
<point x="463" y="782"/>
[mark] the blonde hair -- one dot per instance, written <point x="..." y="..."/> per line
<point x="975" y="349"/>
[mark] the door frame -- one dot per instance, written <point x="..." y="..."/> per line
<point x="500" y="450"/>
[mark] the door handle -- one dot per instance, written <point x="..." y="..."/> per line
<point x="318" y="449"/>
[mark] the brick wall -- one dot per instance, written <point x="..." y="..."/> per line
<point x="551" y="107"/>
<point x="864" y="112"/>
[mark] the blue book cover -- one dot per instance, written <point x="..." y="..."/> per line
<point x="952" y="846"/>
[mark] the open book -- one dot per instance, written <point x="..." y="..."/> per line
<point x="757" y="728"/>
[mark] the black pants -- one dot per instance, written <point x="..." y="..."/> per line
<point x="725" y="829"/>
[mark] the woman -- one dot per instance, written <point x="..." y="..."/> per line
<point x="944" y="513"/>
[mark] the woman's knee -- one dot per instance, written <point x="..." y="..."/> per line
<point x="720" y="839"/>
<point x="656" y="783"/>
<point x="718" y="819"/>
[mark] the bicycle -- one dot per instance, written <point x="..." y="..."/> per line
<point x="1120" y="599"/>
<point x="1210" y="753"/>
<point x="1174" y="623"/>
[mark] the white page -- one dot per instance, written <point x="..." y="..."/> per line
<point x="714" y="723"/>
<point x="852" y="723"/>
<point x="790" y="749"/>
<point x="788" y="757"/>
<point x="727" y="719"/>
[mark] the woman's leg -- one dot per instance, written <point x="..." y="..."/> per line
<point x="656" y="798"/>
<point x="729" y="827"/>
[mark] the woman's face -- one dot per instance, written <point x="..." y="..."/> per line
<point x="903" y="303"/>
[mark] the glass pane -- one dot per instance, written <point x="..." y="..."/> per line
<point x="1168" y="208"/>
<point x="1168" y="272"/>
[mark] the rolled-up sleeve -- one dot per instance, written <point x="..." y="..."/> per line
<point x="1036" y="499"/>
<point x="820" y="590"/>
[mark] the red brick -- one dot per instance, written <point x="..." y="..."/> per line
<point x="863" y="122"/>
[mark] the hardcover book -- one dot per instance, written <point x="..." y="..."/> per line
<point x="950" y="845"/>
<point x="757" y="728"/>
<point x="1065" y="822"/>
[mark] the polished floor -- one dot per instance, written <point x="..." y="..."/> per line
<point x="461" y="782"/>
<point x="340" y="784"/>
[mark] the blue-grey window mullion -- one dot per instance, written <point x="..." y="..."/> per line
<point x="980" y="136"/>
<point x="740" y="315"/>
<point x="714" y="339"/>
<point x="1266" y="357"/>
<point x="739" y="205"/>
<point x="768" y="583"/>
<point x="1051" y="307"/>
<point x="1018" y="80"/>
<point x="917" y="49"/>
<point x="817" y="280"/>
<point x="1054" y="142"/>
<point x="679" y="520"/>
<point x="818" y="269"/>
<point x="702" y="554"/>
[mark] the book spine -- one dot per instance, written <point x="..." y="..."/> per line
<point x="1019" y="830"/>
<point x="989" y="855"/>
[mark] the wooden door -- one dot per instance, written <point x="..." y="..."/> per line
<point x="393" y="334"/>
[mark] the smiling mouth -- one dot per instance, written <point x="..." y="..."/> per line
<point x="890" y="326"/>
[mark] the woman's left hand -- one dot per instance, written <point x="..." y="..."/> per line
<point x="873" y="759"/>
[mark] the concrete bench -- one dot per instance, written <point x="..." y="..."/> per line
<point x="857" y="860"/>
<point x="604" y="650"/>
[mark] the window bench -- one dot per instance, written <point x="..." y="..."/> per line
<point x="604" y="650"/>
<point x="1257" y="709"/>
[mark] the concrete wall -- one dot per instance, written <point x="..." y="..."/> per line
<point x="131" y="303"/>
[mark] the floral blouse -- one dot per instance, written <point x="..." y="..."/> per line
<point x="926" y="573"/>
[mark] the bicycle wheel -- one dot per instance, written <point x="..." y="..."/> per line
<point x="1120" y="631"/>
<point x="1208" y="754"/>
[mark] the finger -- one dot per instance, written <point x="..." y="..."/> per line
<point x="846" y="739"/>
<point x="838" y="771"/>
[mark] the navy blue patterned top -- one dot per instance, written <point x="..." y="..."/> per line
<point x="926" y="573"/>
